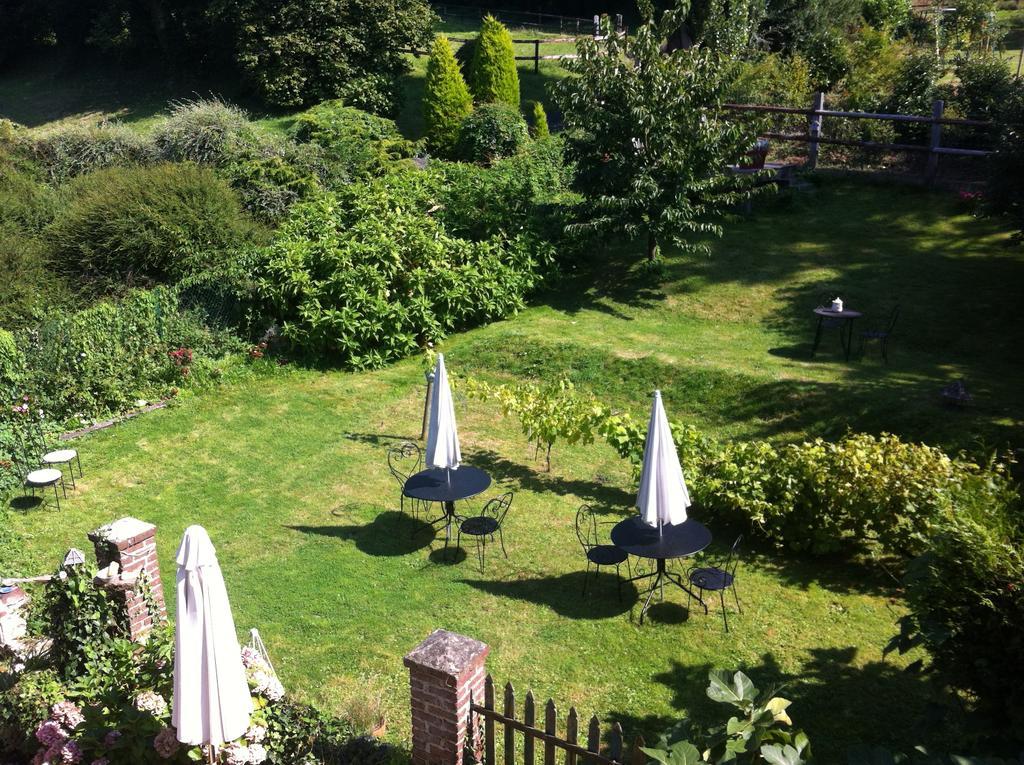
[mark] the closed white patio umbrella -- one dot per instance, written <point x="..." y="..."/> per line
<point x="211" y="696"/>
<point x="442" y="434"/>
<point x="663" y="497"/>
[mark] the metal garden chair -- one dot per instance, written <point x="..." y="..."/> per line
<point x="487" y="524"/>
<point x="881" y="335"/>
<point x="598" y="554"/>
<point x="718" y="579"/>
<point x="404" y="460"/>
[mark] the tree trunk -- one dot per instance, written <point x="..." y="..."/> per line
<point x="652" y="247"/>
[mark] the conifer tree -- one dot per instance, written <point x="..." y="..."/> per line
<point x="538" y="120"/>
<point x="493" y="74"/>
<point x="446" y="99"/>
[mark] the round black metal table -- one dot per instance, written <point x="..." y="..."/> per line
<point x="845" y="331"/>
<point x="446" y="487"/>
<point x="637" y="538"/>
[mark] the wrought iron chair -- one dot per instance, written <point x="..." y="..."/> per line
<point x="596" y="553"/>
<point x="487" y="524"/>
<point x="60" y="456"/>
<point x="403" y="461"/>
<point x="718" y="579"/>
<point x="881" y="335"/>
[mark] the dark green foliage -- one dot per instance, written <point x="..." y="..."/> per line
<point x="446" y="99"/>
<point x="29" y="285"/>
<point x="71" y="151"/>
<point x="464" y="55"/>
<point x="367" y="275"/>
<point x="966" y="599"/>
<point x="491" y="132"/>
<point x="801" y="26"/>
<point x="356" y="144"/>
<point x="138" y="226"/>
<point x="1006" y="165"/>
<point x="649" y="138"/>
<point x="298" y="52"/>
<point x="984" y="85"/>
<point x="295" y="731"/>
<point x="494" y="77"/>
<point x="538" y="120"/>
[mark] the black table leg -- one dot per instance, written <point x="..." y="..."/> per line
<point x="449" y="516"/>
<point x="660" y="576"/>
<point x="817" y="336"/>
<point x="849" y="337"/>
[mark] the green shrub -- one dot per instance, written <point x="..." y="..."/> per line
<point x="892" y="15"/>
<point x="446" y="99"/>
<point x="494" y="77"/>
<point x="297" y="52"/>
<point x="26" y="203"/>
<point x="25" y="702"/>
<point x="206" y="131"/>
<point x="1006" y="164"/>
<point x="913" y="91"/>
<point x="538" y="120"/>
<point x="138" y="226"/>
<point x="984" y="85"/>
<point x="357" y="144"/>
<point x="829" y="58"/>
<point x="966" y="599"/>
<point x="365" y="276"/>
<point x="29" y="286"/>
<point x="101" y="360"/>
<point x="72" y="151"/>
<point x="491" y="132"/>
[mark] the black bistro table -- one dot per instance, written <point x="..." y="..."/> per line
<point x="446" y="487"/>
<point x="637" y="538"/>
<point x="845" y="316"/>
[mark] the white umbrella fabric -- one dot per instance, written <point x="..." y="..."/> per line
<point x="663" y="497"/>
<point x="211" y="696"/>
<point x="442" y="434"/>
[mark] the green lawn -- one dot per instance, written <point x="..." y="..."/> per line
<point x="288" y="474"/>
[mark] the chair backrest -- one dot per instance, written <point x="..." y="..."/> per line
<point x="893" y="315"/>
<point x="732" y="560"/>
<point x="404" y="460"/>
<point x="497" y="508"/>
<point x="586" y="527"/>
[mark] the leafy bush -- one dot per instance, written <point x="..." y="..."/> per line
<point x="913" y="91"/>
<point x="25" y="202"/>
<point x="491" y="132"/>
<point x="966" y="599"/>
<point x="298" y="52"/>
<point x="892" y="15"/>
<point x="985" y="83"/>
<point x="446" y="99"/>
<point x="538" y="120"/>
<point x="72" y="151"/>
<point x="101" y="360"/>
<point x="364" y="276"/>
<point x="25" y="701"/>
<point x="494" y="77"/>
<point x="817" y="496"/>
<point x="138" y="226"/>
<point x="1006" y="164"/>
<point x="356" y="144"/>
<point x="29" y="286"/>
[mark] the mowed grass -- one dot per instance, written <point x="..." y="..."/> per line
<point x="288" y="474"/>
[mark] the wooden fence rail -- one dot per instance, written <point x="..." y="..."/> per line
<point x="815" y="134"/>
<point x="536" y="58"/>
<point x="573" y="750"/>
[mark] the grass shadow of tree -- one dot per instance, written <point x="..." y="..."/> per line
<point x="562" y="593"/>
<point x="390" y="534"/>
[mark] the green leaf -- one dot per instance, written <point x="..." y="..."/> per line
<point x="737" y="690"/>
<point x="781" y="755"/>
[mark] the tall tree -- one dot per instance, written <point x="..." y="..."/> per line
<point x="494" y="77"/>
<point x="446" y="99"/>
<point x="647" y="131"/>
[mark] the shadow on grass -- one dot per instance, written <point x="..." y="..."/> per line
<point x="389" y="534"/>
<point x="838" y="699"/>
<point x="563" y="594"/>
<point x="606" y="498"/>
<point x="25" y="502"/>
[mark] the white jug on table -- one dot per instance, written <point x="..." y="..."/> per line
<point x="837" y="305"/>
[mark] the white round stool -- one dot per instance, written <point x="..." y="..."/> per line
<point x="65" y="457"/>
<point x="44" y="477"/>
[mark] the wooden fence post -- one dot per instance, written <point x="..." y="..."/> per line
<point x="814" y="129"/>
<point x="934" y="141"/>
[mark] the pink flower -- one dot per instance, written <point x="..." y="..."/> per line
<point x="71" y="753"/>
<point x="67" y="714"/>
<point x="166" y="743"/>
<point x="50" y="734"/>
<point x="152" y="702"/>
<point x="111" y="738"/>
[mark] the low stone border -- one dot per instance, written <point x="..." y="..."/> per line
<point x="107" y="423"/>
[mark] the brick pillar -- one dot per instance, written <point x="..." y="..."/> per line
<point x="131" y="544"/>
<point x="444" y="670"/>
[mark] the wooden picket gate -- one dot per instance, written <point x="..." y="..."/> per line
<point x="574" y="751"/>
